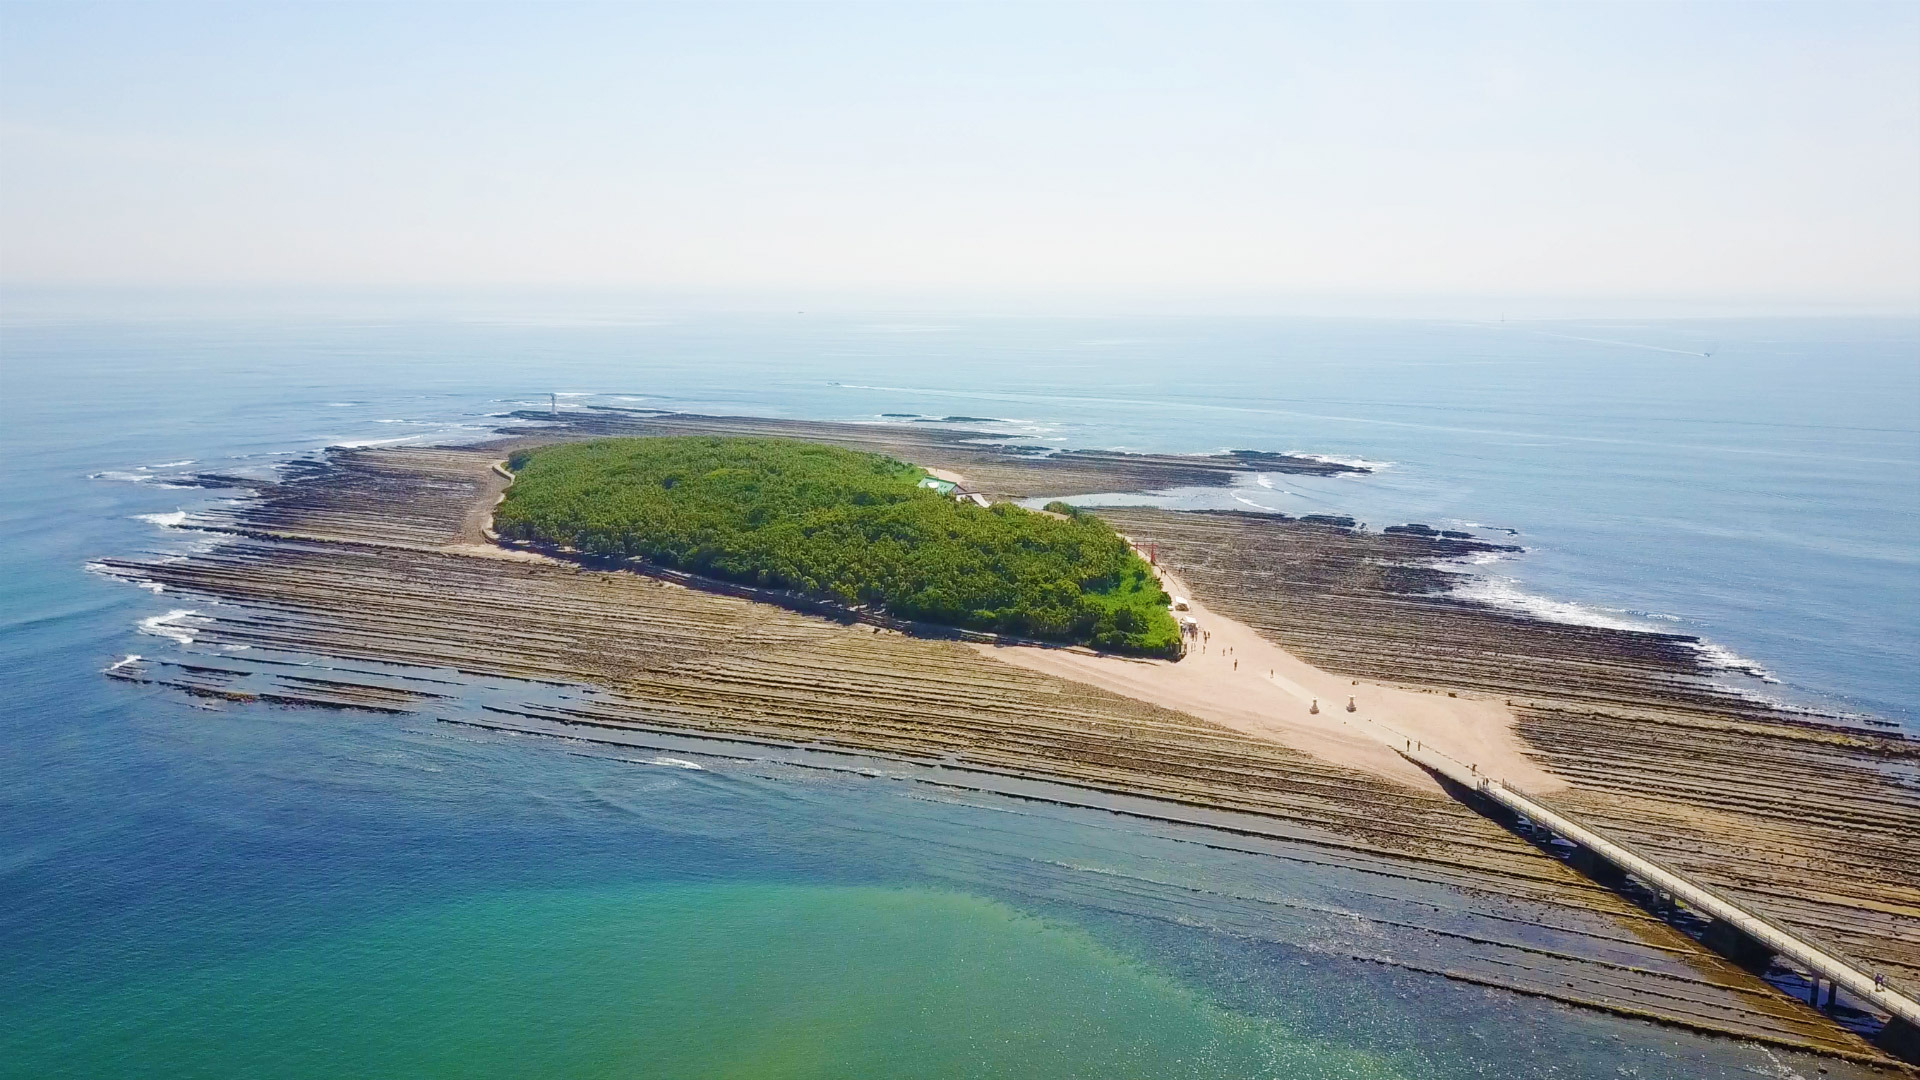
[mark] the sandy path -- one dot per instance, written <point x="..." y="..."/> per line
<point x="1271" y="693"/>
<point x="473" y="539"/>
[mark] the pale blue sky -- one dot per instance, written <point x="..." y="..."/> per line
<point x="1748" y="151"/>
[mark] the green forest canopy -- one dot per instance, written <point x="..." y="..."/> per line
<point x="845" y="525"/>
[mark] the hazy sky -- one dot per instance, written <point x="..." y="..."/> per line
<point x="1726" y="150"/>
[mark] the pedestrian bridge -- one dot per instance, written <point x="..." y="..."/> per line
<point x="1735" y="930"/>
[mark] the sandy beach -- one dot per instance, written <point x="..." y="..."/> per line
<point x="1240" y="680"/>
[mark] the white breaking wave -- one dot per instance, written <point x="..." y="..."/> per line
<point x="1724" y="659"/>
<point x="1503" y="592"/>
<point x="669" y="762"/>
<point x="355" y="444"/>
<point x="1255" y="505"/>
<point x="169" y="625"/>
<point x="1482" y="558"/>
<point x="170" y="464"/>
<point x="1340" y="459"/>
<point x="132" y="658"/>
<point x="173" y="520"/>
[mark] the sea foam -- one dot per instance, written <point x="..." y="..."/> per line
<point x="1342" y="459"/>
<point x="1721" y="658"/>
<point x="172" y="520"/>
<point x="356" y="444"/>
<point x="170" y="626"/>
<point x="1506" y="593"/>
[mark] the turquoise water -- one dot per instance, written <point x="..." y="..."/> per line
<point x="728" y="980"/>
<point x="242" y="891"/>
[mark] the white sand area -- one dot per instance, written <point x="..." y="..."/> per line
<point x="1271" y="693"/>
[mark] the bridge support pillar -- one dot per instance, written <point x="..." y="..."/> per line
<point x="1733" y="943"/>
<point x="1901" y="1039"/>
<point x="1595" y="867"/>
<point x="1497" y="812"/>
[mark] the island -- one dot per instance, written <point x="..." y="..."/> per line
<point x="380" y="563"/>
<point x="861" y="529"/>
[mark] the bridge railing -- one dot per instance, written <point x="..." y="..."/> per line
<point x="1817" y="955"/>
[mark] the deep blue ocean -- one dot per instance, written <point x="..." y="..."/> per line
<point x="250" y="891"/>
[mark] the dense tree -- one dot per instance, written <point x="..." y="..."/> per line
<point x="837" y="523"/>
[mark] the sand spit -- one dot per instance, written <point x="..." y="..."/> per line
<point x="369" y="556"/>
<point x="1242" y="681"/>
